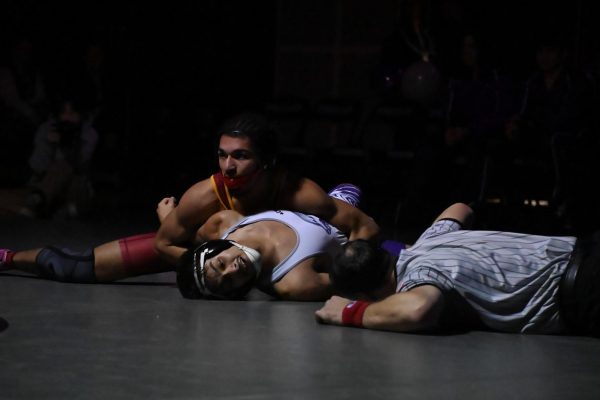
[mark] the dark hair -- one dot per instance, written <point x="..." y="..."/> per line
<point x="360" y="267"/>
<point x="186" y="283"/>
<point x="258" y="129"/>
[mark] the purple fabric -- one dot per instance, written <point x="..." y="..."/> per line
<point x="347" y="192"/>
<point x="393" y="247"/>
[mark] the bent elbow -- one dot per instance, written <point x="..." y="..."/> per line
<point x="160" y="245"/>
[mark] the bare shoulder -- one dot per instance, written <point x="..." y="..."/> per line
<point x="304" y="283"/>
<point x="199" y="198"/>
<point x="217" y="224"/>
<point x="199" y="191"/>
<point x="225" y="219"/>
<point x="305" y="195"/>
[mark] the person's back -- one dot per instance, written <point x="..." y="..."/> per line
<point x="498" y="273"/>
<point x="462" y="279"/>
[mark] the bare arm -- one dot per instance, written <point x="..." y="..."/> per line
<point x="164" y="207"/>
<point x="310" y="198"/>
<point x="416" y="310"/>
<point x="179" y="228"/>
<point x="354" y="222"/>
<point x="459" y="212"/>
<point x="303" y="283"/>
<point x="216" y="225"/>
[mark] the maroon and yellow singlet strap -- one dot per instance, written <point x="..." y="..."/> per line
<point x="221" y="191"/>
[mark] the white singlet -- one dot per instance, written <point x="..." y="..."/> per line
<point x="313" y="237"/>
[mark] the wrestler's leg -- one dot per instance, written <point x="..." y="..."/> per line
<point x="119" y="259"/>
<point x="52" y="263"/>
<point x="108" y="264"/>
<point x="128" y="257"/>
<point x="23" y="261"/>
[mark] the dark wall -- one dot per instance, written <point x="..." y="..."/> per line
<point x="199" y="50"/>
<point x="177" y="68"/>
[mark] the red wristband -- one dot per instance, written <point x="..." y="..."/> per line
<point x="352" y="315"/>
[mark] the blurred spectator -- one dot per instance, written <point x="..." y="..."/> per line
<point x="60" y="161"/>
<point x="480" y="99"/>
<point x="553" y="125"/>
<point x="92" y="77"/>
<point x="555" y="103"/>
<point x="448" y="166"/>
<point x="22" y="106"/>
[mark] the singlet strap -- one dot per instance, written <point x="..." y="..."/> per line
<point x="218" y="186"/>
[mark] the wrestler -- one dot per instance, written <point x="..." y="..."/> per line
<point x="248" y="181"/>
<point x="282" y="253"/>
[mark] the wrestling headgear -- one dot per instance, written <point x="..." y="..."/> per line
<point x="208" y="250"/>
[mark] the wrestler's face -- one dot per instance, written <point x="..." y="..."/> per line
<point x="236" y="157"/>
<point x="228" y="272"/>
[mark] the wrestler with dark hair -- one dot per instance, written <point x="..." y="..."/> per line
<point x="249" y="181"/>
<point x="285" y="254"/>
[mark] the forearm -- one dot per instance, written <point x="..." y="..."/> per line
<point x="170" y="241"/>
<point x="382" y="316"/>
<point x="416" y="310"/>
<point x="179" y="228"/>
<point x="168" y="251"/>
<point x="354" y="223"/>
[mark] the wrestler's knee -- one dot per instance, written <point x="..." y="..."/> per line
<point x="66" y="265"/>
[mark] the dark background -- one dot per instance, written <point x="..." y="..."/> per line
<point x="178" y="68"/>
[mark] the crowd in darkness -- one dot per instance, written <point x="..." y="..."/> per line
<point x="479" y="131"/>
<point x="491" y="135"/>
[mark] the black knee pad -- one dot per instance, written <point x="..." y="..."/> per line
<point x="66" y="265"/>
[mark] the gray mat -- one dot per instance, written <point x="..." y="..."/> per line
<point x="138" y="339"/>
